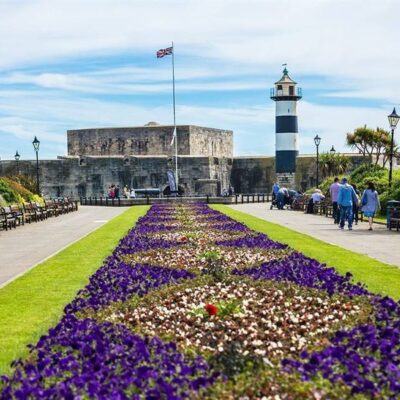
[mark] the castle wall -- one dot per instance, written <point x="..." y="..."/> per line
<point x="257" y="174"/>
<point x="253" y="174"/>
<point x="150" y="140"/>
<point x="146" y="140"/>
<point x="91" y="176"/>
<point x="211" y="142"/>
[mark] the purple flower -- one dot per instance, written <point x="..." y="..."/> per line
<point x="307" y="272"/>
<point x="259" y="241"/>
<point x="84" y="358"/>
<point x="117" y="281"/>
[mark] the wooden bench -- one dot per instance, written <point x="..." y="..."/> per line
<point x="30" y="213"/>
<point x="41" y="212"/>
<point x="18" y="213"/>
<point x="300" y="203"/>
<point x="8" y="219"/>
<point x="51" y="208"/>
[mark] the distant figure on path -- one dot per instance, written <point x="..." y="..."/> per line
<point x="356" y="206"/>
<point x="316" y="197"/>
<point x="334" y="193"/>
<point x="275" y="190"/>
<point x="126" y="192"/>
<point x="347" y="197"/>
<point x="111" y="191"/>
<point x="280" y="197"/>
<point x="370" y="203"/>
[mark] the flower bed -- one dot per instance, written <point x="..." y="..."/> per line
<point x="263" y="319"/>
<point x="192" y="304"/>
<point x="199" y="257"/>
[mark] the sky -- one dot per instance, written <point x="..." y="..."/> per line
<point x="86" y="64"/>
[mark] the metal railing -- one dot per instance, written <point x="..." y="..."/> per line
<point x="121" y="202"/>
<point x="274" y="93"/>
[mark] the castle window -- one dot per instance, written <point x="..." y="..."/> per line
<point x="291" y="90"/>
<point x="82" y="162"/>
<point x="279" y="87"/>
<point x="126" y="161"/>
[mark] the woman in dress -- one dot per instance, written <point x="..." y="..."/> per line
<point x="370" y="203"/>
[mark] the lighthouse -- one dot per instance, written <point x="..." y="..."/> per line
<point x="286" y="94"/>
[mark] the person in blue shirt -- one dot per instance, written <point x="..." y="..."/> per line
<point x="346" y="198"/>
<point x="275" y="190"/>
<point x="281" y="197"/>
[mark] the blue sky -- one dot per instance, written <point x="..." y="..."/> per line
<point x="78" y="64"/>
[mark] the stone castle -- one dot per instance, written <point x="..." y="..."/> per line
<point x="140" y="157"/>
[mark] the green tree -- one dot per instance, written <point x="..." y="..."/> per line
<point x="373" y="143"/>
<point x="333" y="164"/>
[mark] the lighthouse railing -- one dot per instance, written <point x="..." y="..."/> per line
<point x="275" y="93"/>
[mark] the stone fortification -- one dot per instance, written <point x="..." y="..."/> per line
<point x="150" y="140"/>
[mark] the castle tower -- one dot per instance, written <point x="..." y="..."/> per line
<point x="286" y="94"/>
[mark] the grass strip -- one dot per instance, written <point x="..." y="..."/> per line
<point x="33" y="303"/>
<point x="379" y="277"/>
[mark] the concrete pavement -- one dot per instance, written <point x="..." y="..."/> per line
<point x="381" y="244"/>
<point x="28" y="245"/>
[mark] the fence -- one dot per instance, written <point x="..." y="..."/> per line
<point x="147" y="200"/>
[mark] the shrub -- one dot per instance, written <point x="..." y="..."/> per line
<point x="13" y="192"/>
<point x="8" y="194"/>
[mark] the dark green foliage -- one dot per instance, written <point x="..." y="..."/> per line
<point x="8" y="194"/>
<point x="232" y="362"/>
<point x="213" y="259"/>
<point x="14" y="192"/>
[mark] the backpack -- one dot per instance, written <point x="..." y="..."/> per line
<point x="364" y="199"/>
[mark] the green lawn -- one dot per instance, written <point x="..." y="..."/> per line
<point x="33" y="303"/>
<point x="378" y="276"/>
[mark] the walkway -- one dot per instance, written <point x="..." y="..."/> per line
<point x="381" y="244"/>
<point x="28" y="245"/>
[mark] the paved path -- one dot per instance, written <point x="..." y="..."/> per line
<point x="382" y="244"/>
<point x="28" y="245"/>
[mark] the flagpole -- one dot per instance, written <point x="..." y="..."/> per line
<point x="175" y="130"/>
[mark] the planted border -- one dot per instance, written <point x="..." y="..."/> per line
<point x="33" y="303"/>
<point x="288" y="328"/>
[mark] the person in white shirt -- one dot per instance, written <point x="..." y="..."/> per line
<point x="317" y="196"/>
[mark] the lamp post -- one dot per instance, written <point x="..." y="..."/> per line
<point x="332" y="151"/>
<point x="317" y="141"/>
<point x="36" y="144"/>
<point x="393" y="120"/>
<point x="17" y="157"/>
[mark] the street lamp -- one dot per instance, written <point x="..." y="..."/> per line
<point x="36" y="144"/>
<point x="393" y="120"/>
<point x="17" y="157"/>
<point x="317" y="141"/>
<point x="332" y="151"/>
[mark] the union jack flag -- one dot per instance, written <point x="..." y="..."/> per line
<point x="164" y="52"/>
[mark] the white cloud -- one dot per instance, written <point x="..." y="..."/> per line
<point x="347" y="47"/>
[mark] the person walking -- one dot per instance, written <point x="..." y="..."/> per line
<point x="356" y="206"/>
<point x="346" y="198"/>
<point x="275" y="190"/>
<point x="334" y="193"/>
<point x="370" y="203"/>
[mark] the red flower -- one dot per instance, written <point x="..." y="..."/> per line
<point x="211" y="309"/>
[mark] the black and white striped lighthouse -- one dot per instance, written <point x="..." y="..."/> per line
<point x="286" y="94"/>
